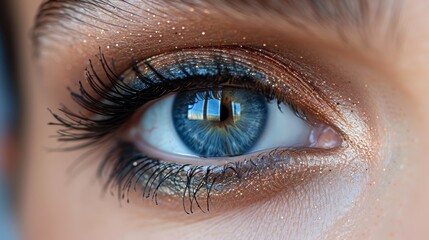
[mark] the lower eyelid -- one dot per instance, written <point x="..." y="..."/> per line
<point x="322" y="138"/>
<point x="234" y="181"/>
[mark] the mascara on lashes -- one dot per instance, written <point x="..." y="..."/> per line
<point x="117" y="101"/>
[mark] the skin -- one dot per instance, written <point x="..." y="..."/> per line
<point x="382" y="196"/>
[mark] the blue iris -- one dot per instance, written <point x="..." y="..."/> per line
<point x="220" y="123"/>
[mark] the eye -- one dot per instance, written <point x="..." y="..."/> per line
<point x="203" y="125"/>
<point x="222" y="123"/>
<point x="232" y="118"/>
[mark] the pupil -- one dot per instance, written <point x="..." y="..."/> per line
<point x="224" y="113"/>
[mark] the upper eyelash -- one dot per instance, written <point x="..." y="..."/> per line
<point x="114" y="102"/>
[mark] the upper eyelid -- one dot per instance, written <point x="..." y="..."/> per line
<point x="356" y="17"/>
<point x="73" y="121"/>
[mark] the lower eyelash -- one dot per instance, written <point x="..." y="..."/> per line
<point x="131" y="170"/>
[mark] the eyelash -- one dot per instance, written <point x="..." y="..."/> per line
<point x="80" y="127"/>
<point x="115" y="103"/>
<point x="195" y="182"/>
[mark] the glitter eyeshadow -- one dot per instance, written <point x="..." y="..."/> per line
<point x="198" y="181"/>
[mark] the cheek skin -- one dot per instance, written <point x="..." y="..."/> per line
<point x="402" y="195"/>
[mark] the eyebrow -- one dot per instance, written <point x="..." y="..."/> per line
<point x="57" y="18"/>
